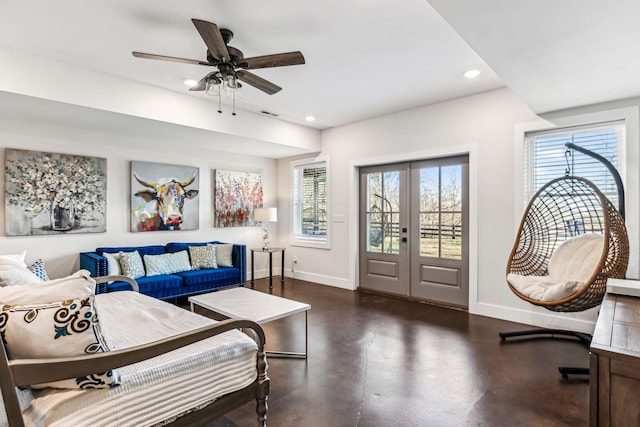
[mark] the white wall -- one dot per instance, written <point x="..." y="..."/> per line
<point x="482" y="125"/>
<point x="60" y="252"/>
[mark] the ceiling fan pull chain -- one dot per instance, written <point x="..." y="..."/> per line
<point x="219" y="103"/>
<point x="233" y="100"/>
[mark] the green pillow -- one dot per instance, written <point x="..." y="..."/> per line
<point x="223" y="254"/>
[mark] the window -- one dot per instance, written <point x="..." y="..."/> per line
<point x="310" y="187"/>
<point x="547" y="158"/>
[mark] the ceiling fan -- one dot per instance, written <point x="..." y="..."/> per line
<point x="230" y="62"/>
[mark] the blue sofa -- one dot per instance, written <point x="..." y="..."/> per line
<point x="169" y="286"/>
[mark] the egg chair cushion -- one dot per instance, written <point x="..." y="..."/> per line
<point x="571" y="266"/>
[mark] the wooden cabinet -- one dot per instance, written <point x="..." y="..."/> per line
<point x="615" y="363"/>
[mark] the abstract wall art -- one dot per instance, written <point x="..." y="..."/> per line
<point x="237" y="194"/>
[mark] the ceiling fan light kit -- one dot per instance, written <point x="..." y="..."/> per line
<point x="231" y="64"/>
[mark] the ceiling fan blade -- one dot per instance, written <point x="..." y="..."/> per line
<point x="213" y="39"/>
<point x="276" y="60"/>
<point x="169" y="58"/>
<point x="258" y="82"/>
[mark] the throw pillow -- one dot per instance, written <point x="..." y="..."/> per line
<point x="56" y="329"/>
<point x="113" y="264"/>
<point x="15" y="259"/>
<point x="39" y="270"/>
<point x="11" y="275"/>
<point x="167" y="263"/>
<point x="223" y="254"/>
<point x="77" y="285"/>
<point x="203" y="257"/>
<point x="131" y="264"/>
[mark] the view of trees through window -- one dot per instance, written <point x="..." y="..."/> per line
<point x="311" y="206"/>
<point x="440" y="212"/>
<point x="383" y="211"/>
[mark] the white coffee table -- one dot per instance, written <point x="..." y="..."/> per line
<point x="243" y="303"/>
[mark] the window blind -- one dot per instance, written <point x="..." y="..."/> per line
<point x="546" y="156"/>
<point x="310" y="201"/>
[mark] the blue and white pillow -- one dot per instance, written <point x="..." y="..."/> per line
<point x="60" y="329"/>
<point x="131" y="264"/>
<point x="167" y="263"/>
<point x="38" y="269"/>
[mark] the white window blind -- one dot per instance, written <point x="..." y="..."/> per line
<point x="309" y="188"/>
<point x="546" y="157"/>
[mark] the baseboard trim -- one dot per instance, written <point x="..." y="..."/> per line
<point x="542" y="320"/>
<point x="336" y="282"/>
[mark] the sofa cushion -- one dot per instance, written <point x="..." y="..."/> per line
<point x="195" y="277"/>
<point x="131" y="264"/>
<point x="153" y="283"/>
<point x="203" y="257"/>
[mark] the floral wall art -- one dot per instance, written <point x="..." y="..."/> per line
<point x="53" y="193"/>
<point x="236" y="195"/>
<point x="164" y="197"/>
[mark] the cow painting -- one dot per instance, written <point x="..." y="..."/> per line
<point x="163" y="202"/>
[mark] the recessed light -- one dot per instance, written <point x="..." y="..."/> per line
<point x="310" y="118"/>
<point x="190" y="82"/>
<point x="472" y="74"/>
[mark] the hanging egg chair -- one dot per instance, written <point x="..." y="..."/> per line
<point x="570" y="241"/>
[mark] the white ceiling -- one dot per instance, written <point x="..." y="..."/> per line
<point x="554" y="54"/>
<point x="364" y="58"/>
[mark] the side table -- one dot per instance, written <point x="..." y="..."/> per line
<point x="269" y="251"/>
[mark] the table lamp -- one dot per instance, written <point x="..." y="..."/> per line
<point x="265" y="216"/>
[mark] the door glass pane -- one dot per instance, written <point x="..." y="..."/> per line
<point x="441" y="211"/>
<point x="374" y="190"/>
<point x="392" y="243"/>
<point x="429" y="194"/>
<point x="374" y="236"/>
<point x="451" y="188"/>
<point x="391" y="191"/>
<point x="451" y="236"/>
<point x="429" y="234"/>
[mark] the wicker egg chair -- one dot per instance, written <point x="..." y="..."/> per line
<point x="562" y="209"/>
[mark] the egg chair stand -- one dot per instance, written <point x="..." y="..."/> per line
<point x="563" y="209"/>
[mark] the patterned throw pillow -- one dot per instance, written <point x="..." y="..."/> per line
<point x="167" y="263"/>
<point x="131" y="264"/>
<point x="56" y="329"/>
<point x="38" y="269"/>
<point x="223" y="254"/>
<point x="203" y="257"/>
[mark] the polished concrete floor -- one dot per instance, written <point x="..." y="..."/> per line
<point x="381" y="361"/>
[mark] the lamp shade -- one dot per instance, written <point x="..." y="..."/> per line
<point x="265" y="214"/>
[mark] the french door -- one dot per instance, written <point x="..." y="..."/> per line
<point x="414" y="229"/>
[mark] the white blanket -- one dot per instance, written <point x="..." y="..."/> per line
<point x="154" y="390"/>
